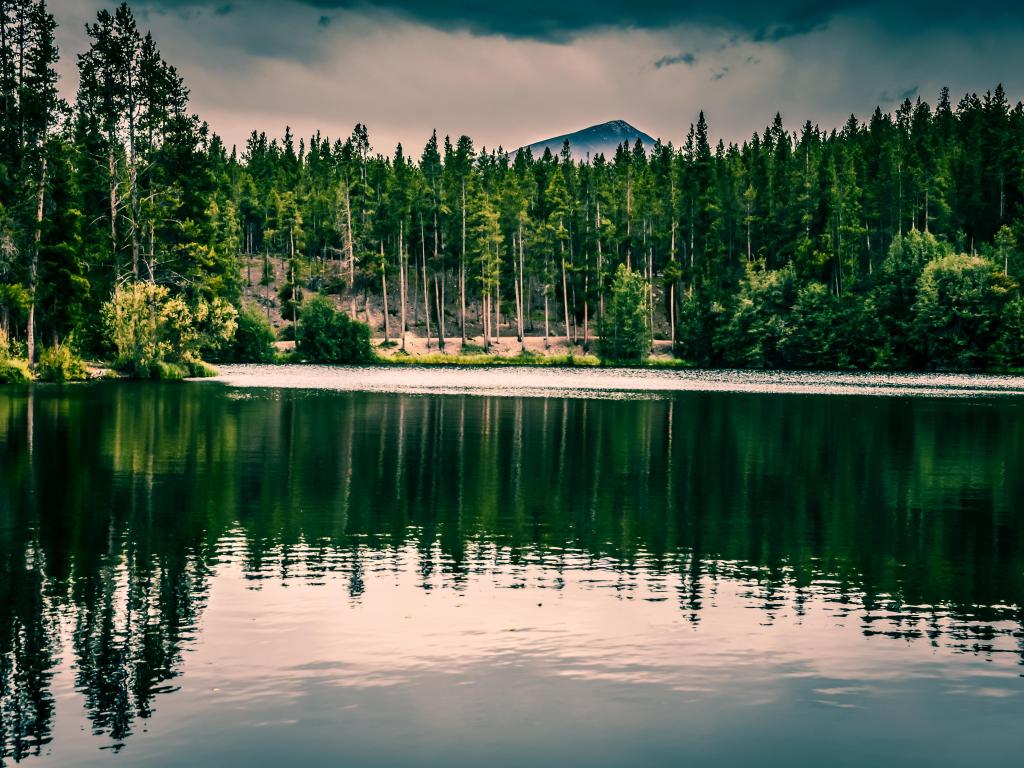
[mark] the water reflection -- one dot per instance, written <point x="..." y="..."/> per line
<point x="839" y="520"/>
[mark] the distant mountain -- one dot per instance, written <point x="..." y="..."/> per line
<point x="597" y="139"/>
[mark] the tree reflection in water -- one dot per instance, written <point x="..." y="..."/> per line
<point x="122" y="501"/>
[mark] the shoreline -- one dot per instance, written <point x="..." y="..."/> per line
<point x="482" y="361"/>
<point x="608" y="382"/>
<point x="556" y="353"/>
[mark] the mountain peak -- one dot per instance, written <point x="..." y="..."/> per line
<point x="603" y="138"/>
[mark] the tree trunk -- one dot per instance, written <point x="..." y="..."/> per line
<point x="34" y="267"/>
<point x="440" y="315"/>
<point x="295" y="286"/>
<point x="546" y="318"/>
<point x="134" y="197"/>
<point x="426" y="287"/>
<point x="112" y="169"/>
<point x="462" y="266"/>
<point x="650" y="290"/>
<point x="384" y="291"/>
<point x="672" y="287"/>
<point x="485" y="324"/>
<point x="444" y="277"/>
<point x="402" y="276"/>
<point x="151" y="262"/>
<point x="519" y="317"/>
<point x="497" y="297"/>
<point x="351" y="250"/>
<point x="586" y="307"/>
<point x="565" y="298"/>
<point x="672" y="313"/>
<point x="600" y="263"/>
<point x="522" y="298"/>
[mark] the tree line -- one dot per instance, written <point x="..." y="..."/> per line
<point x="891" y="242"/>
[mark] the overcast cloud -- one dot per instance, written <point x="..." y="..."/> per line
<point x="512" y="74"/>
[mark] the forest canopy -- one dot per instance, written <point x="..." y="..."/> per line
<point x="891" y="242"/>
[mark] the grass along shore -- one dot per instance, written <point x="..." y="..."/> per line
<point x="535" y="351"/>
<point x="532" y="351"/>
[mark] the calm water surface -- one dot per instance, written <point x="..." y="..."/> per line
<point x="554" y="572"/>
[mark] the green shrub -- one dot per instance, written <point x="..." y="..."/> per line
<point x="1009" y="349"/>
<point x="197" y="369"/>
<point x="625" y="333"/>
<point x="254" y="338"/>
<point x="14" y="371"/>
<point x="326" y="335"/>
<point x="960" y="301"/>
<point x="156" y="335"/>
<point x="164" y="371"/>
<point x="131" y="321"/>
<point x="59" y="364"/>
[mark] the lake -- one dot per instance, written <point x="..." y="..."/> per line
<point x="420" y="567"/>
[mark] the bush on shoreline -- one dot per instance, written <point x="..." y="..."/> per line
<point x="13" y="370"/>
<point x="325" y="335"/>
<point x="625" y="330"/>
<point x="159" y="336"/>
<point x="60" y="364"/>
<point x="254" y="339"/>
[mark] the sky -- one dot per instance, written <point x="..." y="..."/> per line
<point x="512" y="73"/>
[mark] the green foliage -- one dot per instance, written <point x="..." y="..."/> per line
<point x="895" y="293"/>
<point x="625" y="330"/>
<point x="216" y="323"/>
<point x="162" y="370"/>
<point x="1005" y="252"/>
<point x="132" y="323"/>
<point x="326" y="335"/>
<point x="14" y="303"/>
<point x="150" y="330"/>
<point x="960" y="301"/>
<point x="197" y="369"/>
<point x="14" y="371"/>
<point x="827" y="331"/>
<point x="60" y="364"/>
<point x="254" y="338"/>
<point x="699" y="325"/>
<point x="1008" y="351"/>
<point x="754" y="334"/>
<point x="165" y="371"/>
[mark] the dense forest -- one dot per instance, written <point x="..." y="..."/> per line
<point x="890" y="243"/>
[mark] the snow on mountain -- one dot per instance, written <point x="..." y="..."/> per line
<point x="597" y="139"/>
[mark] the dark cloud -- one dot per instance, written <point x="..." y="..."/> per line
<point x="562" y="21"/>
<point x="776" y="32"/>
<point x="493" y="72"/>
<point x="908" y="93"/>
<point x="680" y="58"/>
